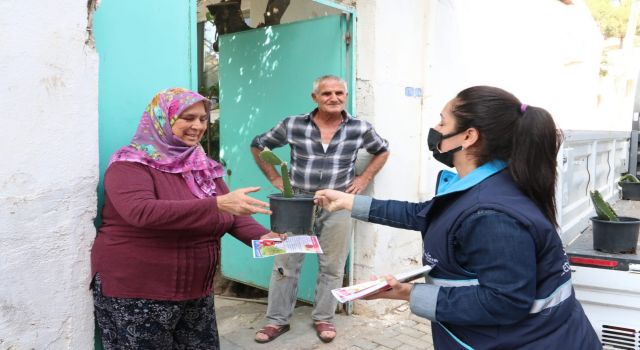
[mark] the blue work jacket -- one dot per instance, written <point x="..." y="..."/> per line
<point x="500" y="278"/>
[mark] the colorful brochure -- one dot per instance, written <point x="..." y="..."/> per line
<point x="295" y="244"/>
<point x="360" y="290"/>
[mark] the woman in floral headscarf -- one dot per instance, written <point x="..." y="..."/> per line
<point x="166" y="208"/>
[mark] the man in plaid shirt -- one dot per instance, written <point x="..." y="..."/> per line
<point x="324" y="145"/>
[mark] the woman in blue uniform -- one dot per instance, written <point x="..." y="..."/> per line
<point x="500" y="278"/>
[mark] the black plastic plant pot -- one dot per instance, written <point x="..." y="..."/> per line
<point x="292" y="215"/>
<point x="630" y="190"/>
<point x="617" y="237"/>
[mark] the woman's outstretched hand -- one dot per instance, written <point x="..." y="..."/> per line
<point x="272" y="235"/>
<point x="333" y="200"/>
<point x="397" y="290"/>
<point x="238" y="203"/>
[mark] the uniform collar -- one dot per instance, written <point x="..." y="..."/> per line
<point x="449" y="182"/>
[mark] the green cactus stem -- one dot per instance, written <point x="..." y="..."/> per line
<point x="287" y="191"/>
<point x="270" y="158"/>
<point x="603" y="209"/>
<point x="629" y="178"/>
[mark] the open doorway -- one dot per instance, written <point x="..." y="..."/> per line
<point x="262" y="74"/>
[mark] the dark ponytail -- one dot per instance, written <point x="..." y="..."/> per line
<point x="533" y="163"/>
<point x="523" y="136"/>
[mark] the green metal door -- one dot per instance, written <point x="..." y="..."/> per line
<point x="143" y="46"/>
<point x="265" y="75"/>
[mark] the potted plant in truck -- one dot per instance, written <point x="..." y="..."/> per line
<point x="291" y="213"/>
<point x="630" y="187"/>
<point x="613" y="233"/>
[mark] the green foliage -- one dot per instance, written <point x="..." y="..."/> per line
<point x="603" y="209"/>
<point x="211" y="139"/>
<point x="604" y="62"/>
<point x="611" y="18"/>
<point x="270" y="158"/>
<point x="628" y="178"/>
<point x="212" y="92"/>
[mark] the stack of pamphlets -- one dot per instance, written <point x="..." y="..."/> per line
<point x="363" y="289"/>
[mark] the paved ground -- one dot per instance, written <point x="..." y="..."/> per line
<point x="399" y="330"/>
<point x="238" y="320"/>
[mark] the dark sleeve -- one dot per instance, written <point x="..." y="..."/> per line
<point x="373" y="142"/>
<point x="244" y="228"/>
<point x="130" y="188"/>
<point x="397" y="214"/>
<point x="501" y="252"/>
<point x="274" y="138"/>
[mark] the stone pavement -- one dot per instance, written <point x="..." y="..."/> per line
<point x="239" y="320"/>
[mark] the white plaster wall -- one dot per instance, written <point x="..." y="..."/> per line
<point x="390" y="57"/>
<point x="49" y="173"/>
<point x="543" y="51"/>
<point x="546" y="53"/>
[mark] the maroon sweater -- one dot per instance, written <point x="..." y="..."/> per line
<point x="157" y="240"/>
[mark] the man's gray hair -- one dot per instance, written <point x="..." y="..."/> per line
<point x="317" y="82"/>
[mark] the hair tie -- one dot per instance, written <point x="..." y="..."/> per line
<point x="523" y="108"/>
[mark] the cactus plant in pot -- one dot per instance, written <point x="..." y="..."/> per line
<point x="291" y="213"/>
<point x="630" y="187"/>
<point x="613" y="233"/>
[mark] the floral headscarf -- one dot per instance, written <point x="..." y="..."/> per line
<point x="155" y="145"/>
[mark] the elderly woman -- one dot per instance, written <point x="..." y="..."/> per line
<point x="500" y="277"/>
<point x="166" y="209"/>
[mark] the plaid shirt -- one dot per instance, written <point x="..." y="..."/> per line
<point x="311" y="167"/>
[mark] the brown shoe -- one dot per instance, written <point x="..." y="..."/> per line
<point x="272" y="332"/>
<point x="321" y="327"/>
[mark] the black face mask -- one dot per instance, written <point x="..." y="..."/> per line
<point x="433" y="140"/>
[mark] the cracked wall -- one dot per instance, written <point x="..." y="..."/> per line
<point x="390" y="57"/>
<point x="49" y="174"/>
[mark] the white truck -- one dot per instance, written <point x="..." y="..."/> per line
<point x="607" y="285"/>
